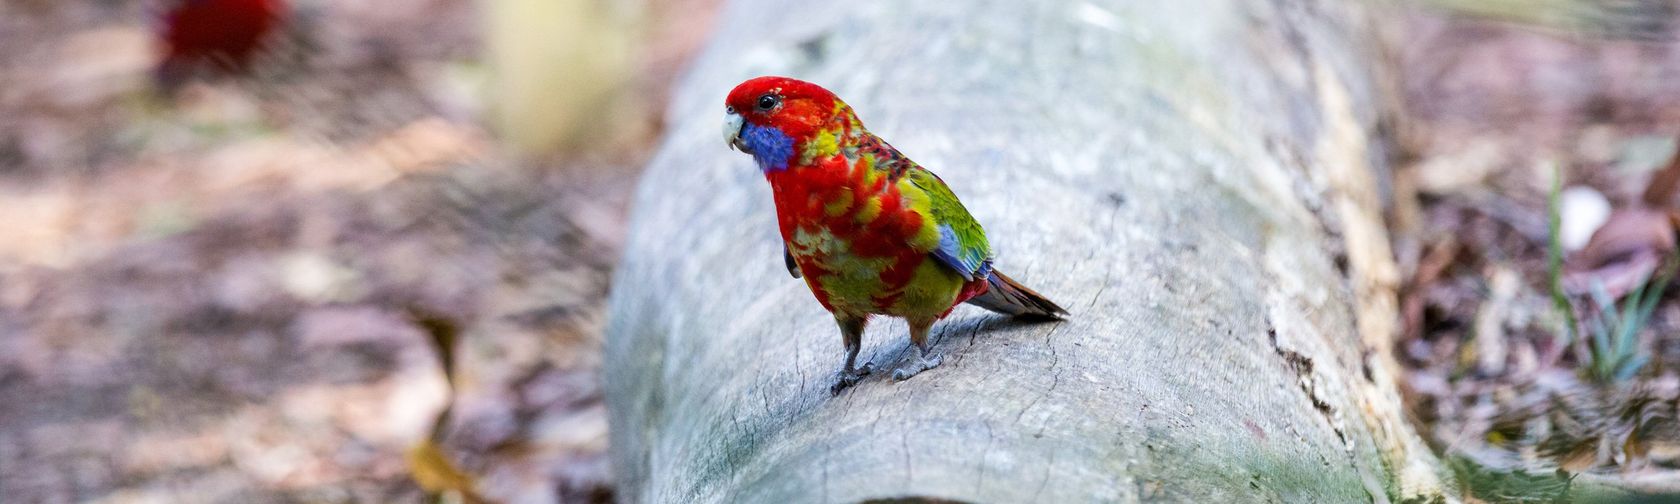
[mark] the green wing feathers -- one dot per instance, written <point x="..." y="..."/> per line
<point x="962" y="242"/>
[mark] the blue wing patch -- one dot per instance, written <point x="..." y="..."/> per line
<point x="969" y="262"/>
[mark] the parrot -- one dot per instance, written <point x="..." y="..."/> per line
<point x="224" y="34"/>
<point x="869" y="231"/>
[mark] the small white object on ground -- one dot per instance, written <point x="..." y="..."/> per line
<point x="1582" y="211"/>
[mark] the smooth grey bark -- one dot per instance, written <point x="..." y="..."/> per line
<point x="1194" y="180"/>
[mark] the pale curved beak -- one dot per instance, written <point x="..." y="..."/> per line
<point x="732" y="123"/>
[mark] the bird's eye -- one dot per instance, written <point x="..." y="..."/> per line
<point x="728" y="109"/>
<point x="768" y="102"/>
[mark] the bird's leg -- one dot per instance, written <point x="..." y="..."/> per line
<point x="926" y="359"/>
<point x="851" y="332"/>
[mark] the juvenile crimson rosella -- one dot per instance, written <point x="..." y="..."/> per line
<point x="870" y="231"/>
<point x="224" y="34"/>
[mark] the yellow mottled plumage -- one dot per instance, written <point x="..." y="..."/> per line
<point x="914" y="197"/>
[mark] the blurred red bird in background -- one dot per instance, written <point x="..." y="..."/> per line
<point x="219" y="35"/>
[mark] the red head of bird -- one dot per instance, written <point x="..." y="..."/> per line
<point x="772" y="117"/>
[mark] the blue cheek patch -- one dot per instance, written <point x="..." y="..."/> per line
<point x="769" y="146"/>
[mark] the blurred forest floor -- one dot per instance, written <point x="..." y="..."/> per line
<point x="211" y="297"/>
<point x="1498" y="113"/>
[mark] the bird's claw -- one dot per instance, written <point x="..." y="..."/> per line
<point x="922" y="364"/>
<point x="850" y="377"/>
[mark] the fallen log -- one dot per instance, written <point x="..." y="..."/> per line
<point x="1197" y="181"/>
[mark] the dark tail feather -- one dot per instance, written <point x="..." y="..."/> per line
<point x="1006" y="296"/>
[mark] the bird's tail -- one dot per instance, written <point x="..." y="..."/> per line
<point x="1004" y="295"/>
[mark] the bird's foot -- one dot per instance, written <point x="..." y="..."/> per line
<point x="850" y="377"/>
<point x="922" y="364"/>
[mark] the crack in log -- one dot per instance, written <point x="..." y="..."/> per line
<point x="904" y="444"/>
<point x="973" y="333"/>
<point x="1055" y="374"/>
<point x="1046" y="481"/>
<point x="1303" y="367"/>
<point x="1055" y="377"/>
<point x="799" y="350"/>
<point x="1055" y="359"/>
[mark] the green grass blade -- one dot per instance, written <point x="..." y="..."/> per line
<point x="1554" y="260"/>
